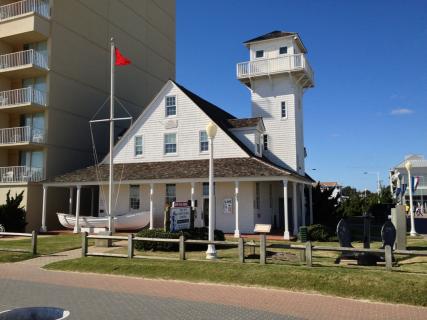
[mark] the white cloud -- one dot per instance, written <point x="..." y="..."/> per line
<point x="401" y="111"/>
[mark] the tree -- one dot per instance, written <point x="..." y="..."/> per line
<point x="12" y="214"/>
<point x="325" y="206"/>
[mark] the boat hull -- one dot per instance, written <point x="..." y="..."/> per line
<point x="130" y="221"/>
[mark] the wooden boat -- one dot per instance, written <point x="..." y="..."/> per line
<point x="128" y="221"/>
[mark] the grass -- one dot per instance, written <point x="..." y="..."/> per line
<point x="45" y="245"/>
<point x="372" y="284"/>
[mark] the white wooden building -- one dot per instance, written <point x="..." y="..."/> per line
<point x="259" y="161"/>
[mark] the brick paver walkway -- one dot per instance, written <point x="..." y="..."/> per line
<point x="24" y="283"/>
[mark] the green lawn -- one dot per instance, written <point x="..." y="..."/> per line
<point x="45" y="245"/>
<point x="366" y="283"/>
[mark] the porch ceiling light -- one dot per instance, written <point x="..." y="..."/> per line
<point x="211" y="129"/>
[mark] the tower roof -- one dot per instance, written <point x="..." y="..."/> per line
<point x="278" y="34"/>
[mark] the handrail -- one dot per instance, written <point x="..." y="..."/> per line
<point x="32" y="235"/>
<point x="21" y="135"/>
<point x="15" y="9"/>
<point x="22" y="96"/>
<point x="23" y="58"/>
<point x="21" y="174"/>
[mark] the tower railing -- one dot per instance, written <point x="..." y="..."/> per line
<point x="15" y="9"/>
<point x="285" y="63"/>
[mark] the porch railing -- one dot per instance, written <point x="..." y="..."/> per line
<point x="286" y="63"/>
<point x="21" y="135"/>
<point x="22" y="96"/>
<point x="15" y="9"/>
<point x="21" y="59"/>
<point x="21" y="174"/>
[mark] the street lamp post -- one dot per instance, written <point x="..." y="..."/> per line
<point x="211" y="132"/>
<point x="408" y="166"/>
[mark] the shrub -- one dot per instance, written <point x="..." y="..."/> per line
<point x="195" y="234"/>
<point x="12" y="215"/>
<point x="319" y="232"/>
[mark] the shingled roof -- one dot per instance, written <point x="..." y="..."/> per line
<point x="185" y="169"/>
<point x="243" y="123"/>
<point x="271" y="35"/>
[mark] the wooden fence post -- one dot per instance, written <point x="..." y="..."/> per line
<point x="241" y="250"/>
<point x="181" y="248"/>
<point x="34" y="242"/>
<point x="308" y="254"/>
<point x="262" y="248"/>
<point x="388" y="258"/>
<point x="84" y="244"/>
<point x="130" y="246"/>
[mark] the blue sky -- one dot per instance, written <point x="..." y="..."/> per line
<point x="369" y="106"/>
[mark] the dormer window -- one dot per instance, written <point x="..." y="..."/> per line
<point x="259" y="54"/>
<point x="170" y="104"/>
<point x="283" y="50"/>
<point x="283" y="109"/>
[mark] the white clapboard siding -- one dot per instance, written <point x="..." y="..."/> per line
<point x="271" y="47"/>
<point x="267" y="95"/>
<point x="189" y="121"/>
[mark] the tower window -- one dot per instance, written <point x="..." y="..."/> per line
<point x="265" y="142"/>
<point x="283" y="50"/>
<point x="259" y="53"/>
<point x="283" y="109"/>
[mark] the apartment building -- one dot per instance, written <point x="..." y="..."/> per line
<point x="54" y="75"/>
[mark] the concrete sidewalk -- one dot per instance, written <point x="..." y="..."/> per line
<point x="26" y="284"/>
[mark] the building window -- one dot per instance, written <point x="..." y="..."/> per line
<point x="134" y="200"/>
<point x="138" y="146"/>
<point x="170" y="193"/>
<point x="259" y="53"/>
<point x="283" y="50"/>
<point x="204" y="143"/>
<point x="170" y="106"/>
<point x="265" y="141"/>
<point x="257" y="195"/>
<point x="283" y="109"/>
<point x="206" y="189"/>
<point x="170" y="143"/>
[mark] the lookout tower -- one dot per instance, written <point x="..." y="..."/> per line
<point x="277" y="75"/>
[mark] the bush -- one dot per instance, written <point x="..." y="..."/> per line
<point x="194" y="234"/>
<point x="319" y="232"/>
<point x="12" y="215"/>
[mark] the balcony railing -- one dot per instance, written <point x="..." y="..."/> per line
<point x="21" y="174"/>
<point x="15" y="9"/>
<point x="22" y="96"/>
<point x="21" y="135"/>
<point x="22" y="59"/>
<point x="286" y="63"/>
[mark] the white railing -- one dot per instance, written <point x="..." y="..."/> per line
<point x="22" y="59"/>
<point x="22" y="96"/>
<point x="286" y="63"/>
<point x="21" y="135"/>
<point x="21" y="174"/>
<point x="15" y="9"/>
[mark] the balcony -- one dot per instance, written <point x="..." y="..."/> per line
<point x="25" y="21"/>
<point x="22" y="100"/>
<point x="23" y="64"/>
<point x="19" y="137"/>
<point x="290" y="63"/>
<point x="20" y="174"/>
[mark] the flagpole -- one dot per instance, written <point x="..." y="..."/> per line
<point x="111" y="166"/>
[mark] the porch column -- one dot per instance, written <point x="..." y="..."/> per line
<point x="236" y="201"/>
<point x="43" y="228"/>
<point x="310" y="200"/>
<point x="302" y="204"/>
<point x="70" y="201"/>
<point x="77" y="224"/>
<point x="286" y="234"/>
<point x="151" y="206"/>
<point x="295" y="208"/>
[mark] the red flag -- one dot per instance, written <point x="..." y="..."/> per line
<point x="120" y="59"/>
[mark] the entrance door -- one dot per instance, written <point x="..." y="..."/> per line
<point x="206" y="211"/>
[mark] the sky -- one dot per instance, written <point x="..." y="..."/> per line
<point x="368" y="108"/>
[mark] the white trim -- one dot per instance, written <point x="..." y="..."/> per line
<point x="281" y="111"/>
